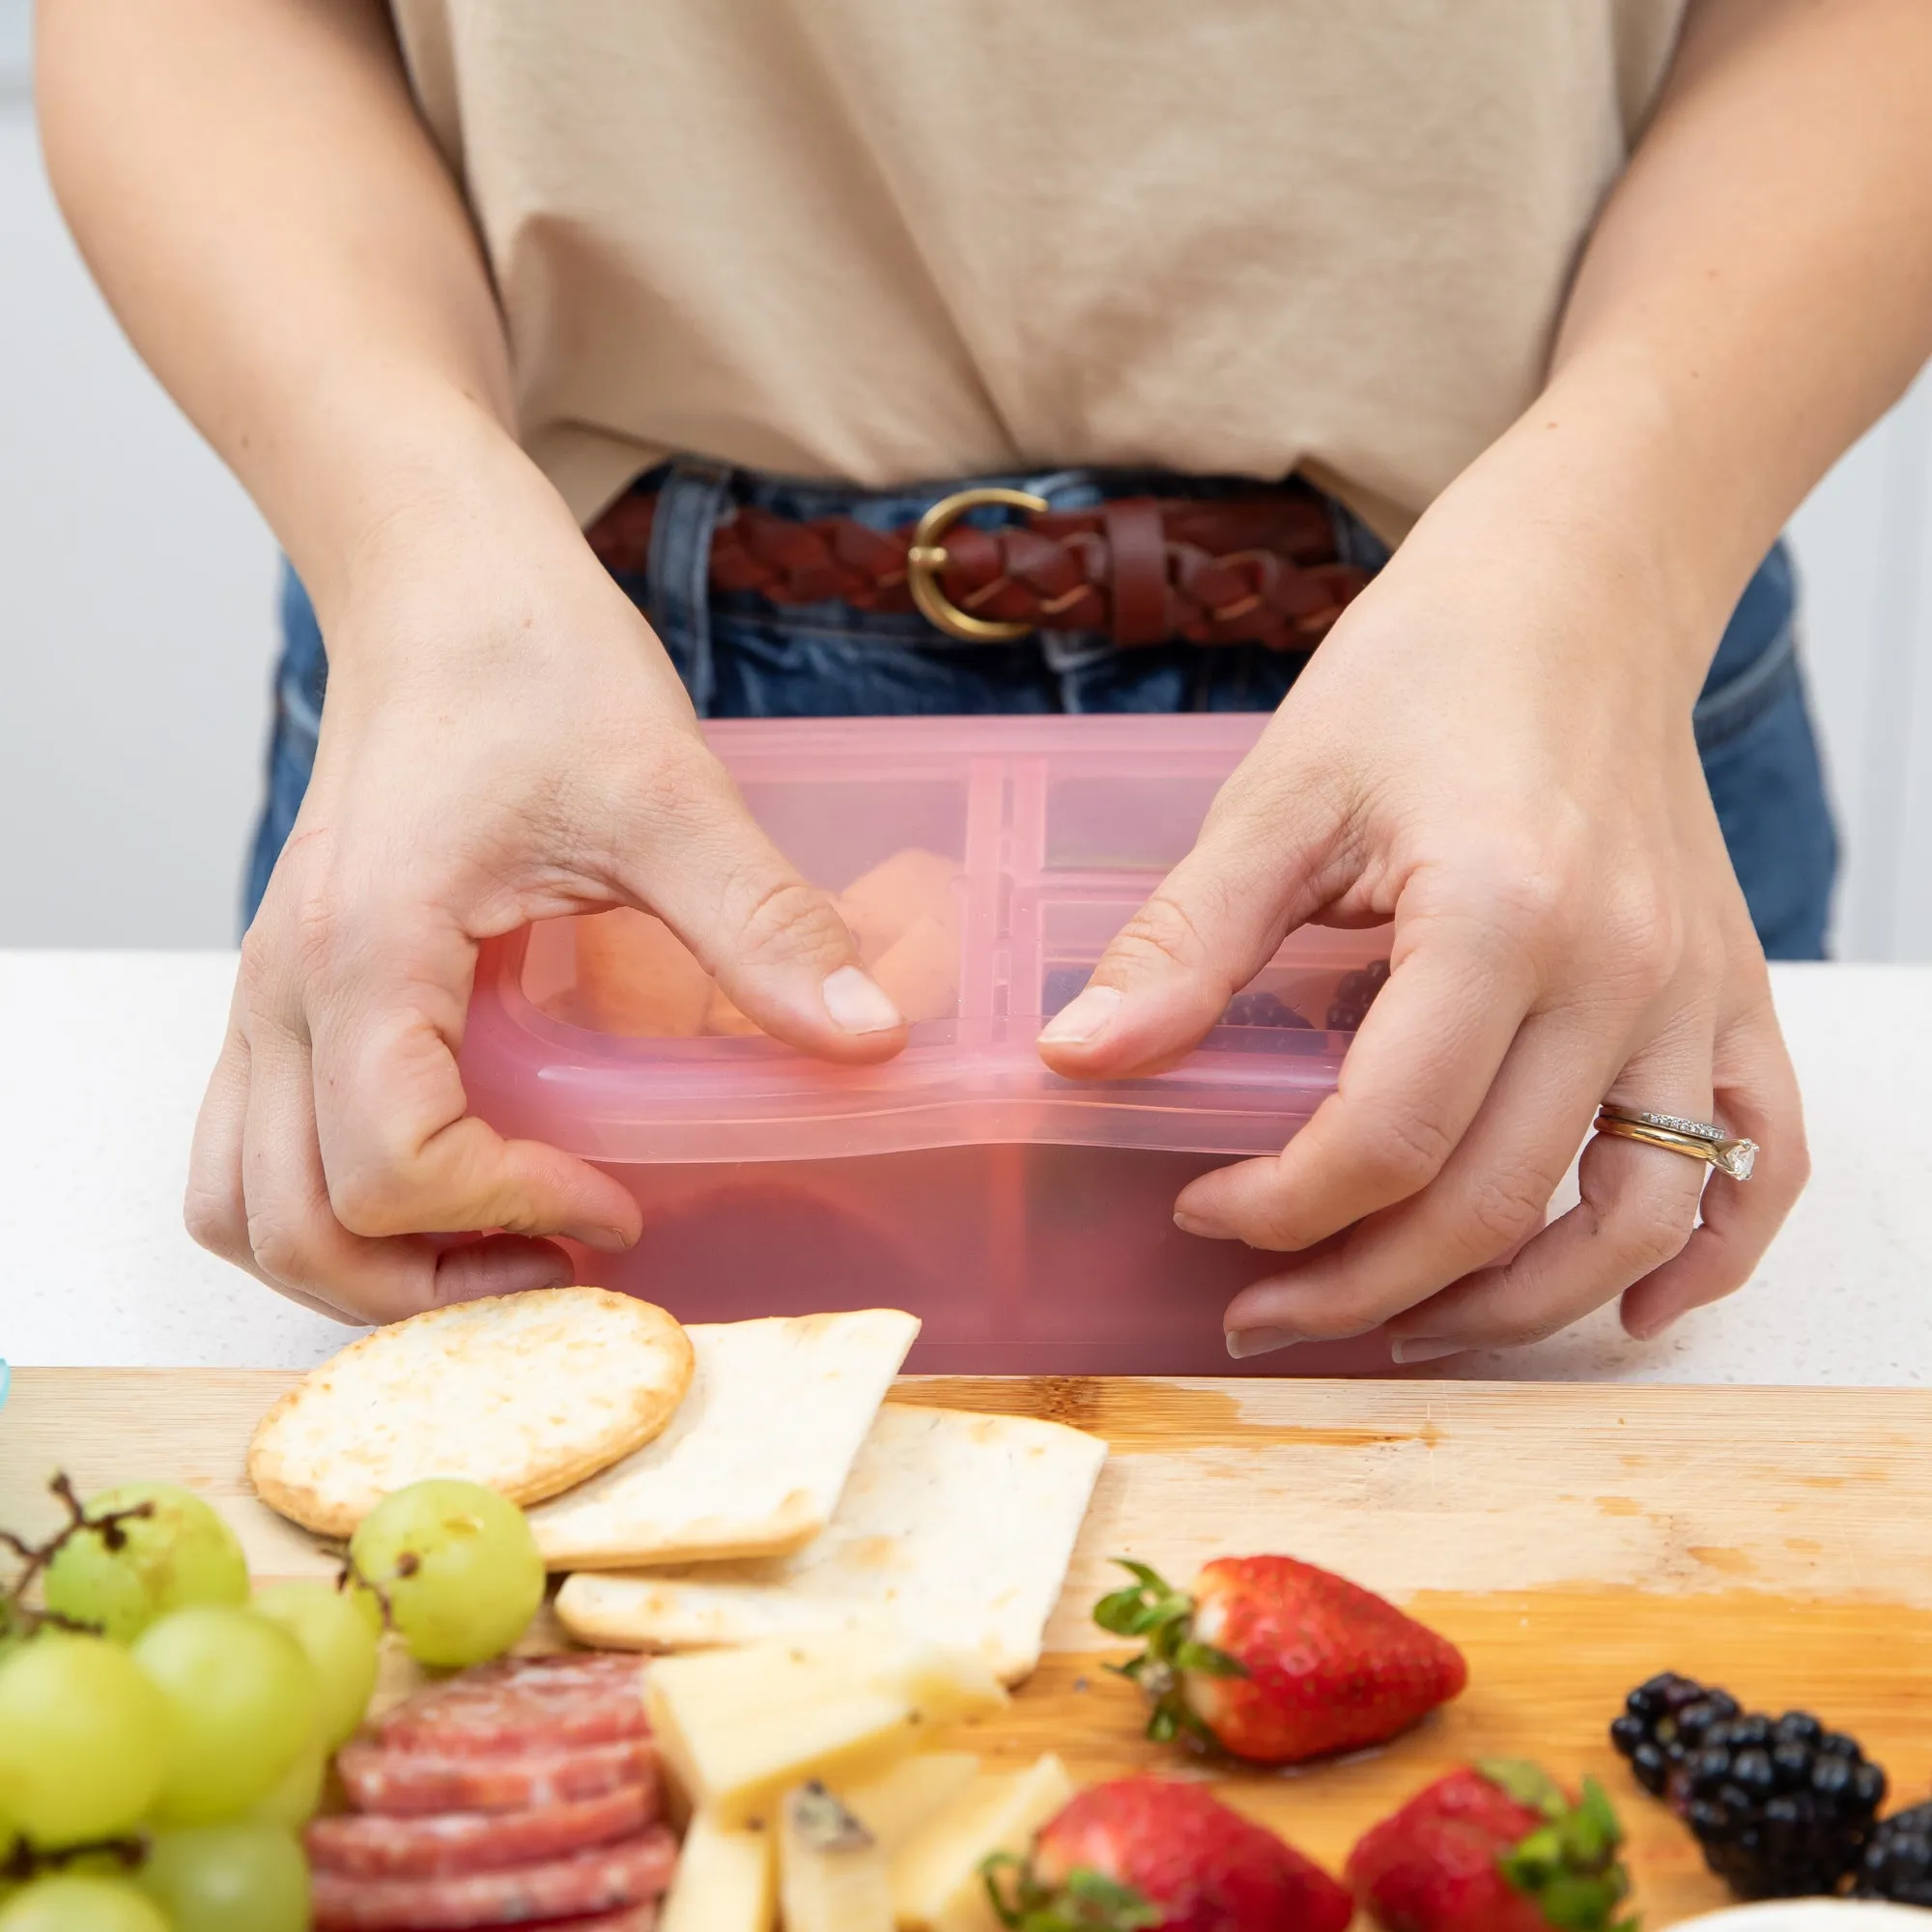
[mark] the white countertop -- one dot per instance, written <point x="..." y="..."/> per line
<point x="103" y="1055"/>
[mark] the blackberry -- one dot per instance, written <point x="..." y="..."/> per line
<point x="1252" y="1011"/>
<point x="1060" y="986"/>
<point x="1897" y="1863"/>
<point x="1662" y="1723"/>
<point x="1259" y="1009"/>
<point x="1355" y="994"/>
<point x="1780" y="1806"/>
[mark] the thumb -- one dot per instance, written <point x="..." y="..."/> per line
<point x="1256" y="872"/>
<point x="774" y="944"/>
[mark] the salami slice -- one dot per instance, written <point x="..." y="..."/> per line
<point x="406" y="1783"/>
<point x="608" y="1879"/>
<point x="370" y="1845"/>
<point x="633" y="1918"/>
<point x="524" y="1704"/>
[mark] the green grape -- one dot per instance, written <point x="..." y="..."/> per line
<point x="229" y="1877"/>
<point x="295" y="1797"/>
<point x="84" y="1740"/>
<point x="459" y="1568"/>
<point x="181" y="1554"/>
<point x="333" y="1626"/>
<point x="242" y="1694"/>
<point x="107" y="1860"/>
<point x="76" y="1902"/>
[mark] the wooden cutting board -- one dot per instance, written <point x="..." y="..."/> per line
<point x="1574" y="1540"/>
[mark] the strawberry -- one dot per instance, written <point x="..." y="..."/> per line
<point x="1152" y="1855"/>
<point x="1276" y="1660"/>
<point x="1494" y="1847"/>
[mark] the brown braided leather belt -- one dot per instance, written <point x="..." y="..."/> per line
<point x="1146" y="570"/>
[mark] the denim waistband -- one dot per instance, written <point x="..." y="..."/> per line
<point x="695" y="496"/>
<point x="1754" y="660"/>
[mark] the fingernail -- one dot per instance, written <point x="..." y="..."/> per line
<point x="606" y="1240"/>
<point x="858" y="1003"/>
<point x="1425" y="1348"/>
<point x="1651" y="1332"/>
<point x="1083" y="1016"/>
<point x="1245" y="1342"/>
<point x="1193" y="1223"/>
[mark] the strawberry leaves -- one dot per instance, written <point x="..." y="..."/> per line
<point x="1569" y="1862"/>
<point x="1088" y="1901"/>
<point x="1151" y="1609"/>
<point x="1148" y="1603"/>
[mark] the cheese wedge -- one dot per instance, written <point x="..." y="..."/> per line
<point x="936" y="1880"/>
<point x="725" y="1881"/>
<point x="832" y="1871"/>
<point x="738" y="1727"/>
<point x="894" y="1807"/>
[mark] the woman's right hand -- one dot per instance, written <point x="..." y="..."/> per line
<point x="504" y="740"/>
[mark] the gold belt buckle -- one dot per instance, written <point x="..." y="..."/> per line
<point x="926" y="558"/>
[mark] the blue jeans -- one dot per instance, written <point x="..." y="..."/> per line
<point x="741" y="657"/>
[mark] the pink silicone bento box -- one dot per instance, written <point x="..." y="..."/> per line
<point x="1025" y="1218"/>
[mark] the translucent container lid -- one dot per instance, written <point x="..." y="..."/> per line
<point x="982" y="864"/>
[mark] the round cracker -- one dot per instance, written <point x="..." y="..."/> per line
<point x="527" y="1393"/>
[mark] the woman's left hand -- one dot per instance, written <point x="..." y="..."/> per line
<point x="1492" y="749"/>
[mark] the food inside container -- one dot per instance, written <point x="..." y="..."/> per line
<point x="633" y="977"/>
<point x="982" y="865"/>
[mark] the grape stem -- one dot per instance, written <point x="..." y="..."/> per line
<point x="24" y="1862"/>
<point x="16" y="1615"/>
<point x="350" y="1574"/>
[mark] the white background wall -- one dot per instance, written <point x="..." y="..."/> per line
<point x="1864" y="544"/>
<point x="136" y="608"/>
<point x="136" y="627"/>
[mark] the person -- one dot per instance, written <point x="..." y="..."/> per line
<point x="1552" y="313"/>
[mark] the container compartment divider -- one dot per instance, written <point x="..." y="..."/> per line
<point x="1027" y="849"/>
<point x="1022" y="848"/>
<point x="982" y="939"/>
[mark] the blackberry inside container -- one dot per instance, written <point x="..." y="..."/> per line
<point x="1257" y="1019"/>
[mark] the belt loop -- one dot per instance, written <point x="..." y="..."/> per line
<point x="692" y="501"/>
<point x="1137" y="567"/>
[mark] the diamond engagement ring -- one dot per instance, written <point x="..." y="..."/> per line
<point x="1698" y="1139"/>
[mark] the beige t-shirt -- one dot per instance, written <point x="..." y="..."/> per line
<point x="894" y="240"/>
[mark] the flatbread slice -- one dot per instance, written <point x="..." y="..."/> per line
<point x="527" y="1393"/>
<point x="753" y="1464"/>
<point x="956" y="1525"/>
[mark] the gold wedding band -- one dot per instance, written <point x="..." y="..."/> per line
<point x="1700" y="1140"/>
